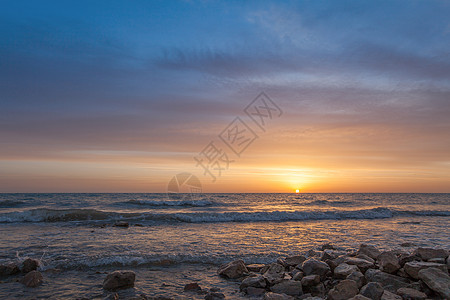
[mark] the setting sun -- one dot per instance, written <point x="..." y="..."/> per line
<point x="297" y="191"/>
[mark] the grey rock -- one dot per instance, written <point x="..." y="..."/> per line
<point x="388" y="262"/>
<point x="310" y="280"/>
<point x="390" y="296"/>
<point x="288" y="287"/>
<point x="388" y="281"/>
<point x="412" y="268"/>
<point x="255" y="267"/>
<point x="369" y="250"/>
<point x="9" y="269"/>
<point x="344" y="290"/>
<point x="358" y="277"/>
<point x="274" y="274"/>
<point x="372" y="290"/>
<point x="313" y="266"/>
<point x="362" y="264"/>
<point x="29" y="265"/>
<point x="253" y="281"/>
<point x="119" y="280"/>
<point x="327" y="246"/>
<point x="276" y="296"/>
<point x="437" y="280"/>
<point x="429" y="253"/>
<point x="32" y="279"/>
<point x="343" y="270"/>
<point x="233" y="269"/>
<point x="298" y="276"/>
<point x="214" y="296"/>
<point x="254" y="291"/>
<point x="411" y="294"/>
<point x="294" y="260"/>
<point x="365" y="257"/>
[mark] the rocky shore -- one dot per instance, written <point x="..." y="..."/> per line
<point x="327" y="273"/>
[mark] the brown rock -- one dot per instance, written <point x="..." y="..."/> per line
<point x="344" y="290"/>
<point x="274" y="274"/>
<point x="413" y="267"/>
<point x="428" y="253"/>
<point x="32" y="279"/>
<point x="390" y="296"/>
<point x="362" y="264"/>
<point x="369" y="250"/>
<point x="298" y="276"/>
<point x="343" y="270"/>
<point x="193" y="286"/>
<point x="388" y="281"/>
<point x="276" y="296"/>
<point x="310" y="280"/>
<point x="327" y="246"/>
<point x="313" y="266"/>
<point x="358" y="277"/>
<point x="253" y="281"/>
<point x="388" y="262"/>
<point x="255" y="267"/>
<point x="9" y="269"/>
<point x="437" y="280"/>
<point x="29" y="265"/>
<point x="288" y="287"/>
<point x="254" y="291"/>
<point x="372" y="290"/>
<point x="294" y="260"/>
<point x="214" y="296"/>
<point x="411" y="294"/>
<point x="233" y="269"/>
<point x="119" y="280"/>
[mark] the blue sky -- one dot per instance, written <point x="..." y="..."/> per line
<point x="140" y="86"/>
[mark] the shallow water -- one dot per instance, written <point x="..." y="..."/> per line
<point x="73" y="232"/>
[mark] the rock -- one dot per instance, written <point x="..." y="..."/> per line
<point x="358" y="277"/>
<point x="327" y="246"/>
<point x="390" y="296"/>
<point x="254" y="291"/>
<point x="448" y="262"/>
<point x="388" y="281"/>
<point x="404" y="258"/>
<point x="310" y="280"/>
<point x="365" y="257"/>
<point x="214" y="296"/>
<point x="276" y="296"/>
<point x="294" y="260"/>
<point x="122" y="224"/>
<point x="388" y="262"/>
<point x="438" y="260"/>
<point x="344" y="290"/>
<point x="330" y="254"/>
<point x="298" y="276"/>
<point x="372" y="290"/>
<point x="401" y="272"/>
<point x="274" y="273"/>
<point x="9" y="269"/>
<point x="369" y="250"/>
<point x="255" y="267"/>
<point x="437" y="280"/>
<point x="119" y="280"/>
<point x="233" y="269"/>
<point x="313" y="266"/>
<point x="429" y="253"/>
<point x="313" y="253"/>
<point x="411" y="294"/>
<point x="318" y="290"/>
<point x="413" y="267"/>
<point x="362" y="264"/>
<point x="343" y="270"/>
<point x="288" y="287"/>
<point x="253" y="281"/>
<point x="32" y="279"/>
<point x="192" y="287"/>
<point x="407" y="244"/>
<point x="29" y="265"/>
<point x="359" y="297"/>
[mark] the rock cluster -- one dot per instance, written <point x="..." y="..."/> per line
<point x="29" y="266"/>
<point x="328" y="273"/>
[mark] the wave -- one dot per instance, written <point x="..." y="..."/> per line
<point x="172" y="203"/>
<point x="65" y="215"/>
<point x="11" y="203"/>
<point x="328" y="202"/>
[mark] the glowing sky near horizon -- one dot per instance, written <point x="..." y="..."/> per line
<point x="119" y="96"/>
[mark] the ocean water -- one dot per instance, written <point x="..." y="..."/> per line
<point x="171" y="242"/>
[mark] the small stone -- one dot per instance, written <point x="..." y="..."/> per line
<point x="232" y="270"/>
<point x="358" y="277"/>
<point x="253" y="281"/>
<point x="255" y="267"/>
<point x="277" y="296"/>
<point x="344" y="290"/>
<point x="288" y="287"/>
<point x="327" y="246"/>
<point x="214" y="296"/>
<point x="437" y="280"/>
<point x="298" y="276"/>
<point x="119" y="280"/>
<point x="122" y="224"/>
<point x="192" y="287"/>
<point x="32" y="279"/>
<point x="429" y="253"/>
<point x="390" y="296"/>
<point x="29" y="265"/>
<point x="9" y="269"/>
<point x="369" y="250"/>
<point x="310" y="280"/>
<point x="372" y="290"/>
<point x="388" y="262"/>
<point x="411" y="294"/>
<point x="344" y="269"/>
<point x="294" y="260"/>
<point x="313" y="266"/>
<point x="412" y="268"/>
<point x="362" y="264"/>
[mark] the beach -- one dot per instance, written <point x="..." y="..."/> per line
<point x="80" y="238"/>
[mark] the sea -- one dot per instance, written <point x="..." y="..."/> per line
<point x="175" y="240"/>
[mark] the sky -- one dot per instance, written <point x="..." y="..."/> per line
<point x="121" y="96"/>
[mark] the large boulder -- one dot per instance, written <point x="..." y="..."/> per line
<point x="429" y="253"/>
<point x="29" y="265"/>
<point x="343" y="270"/>
<point x="370" y="251"/>
<point x="253" y="281"/>
<point x="119" y="280"/>
<point x="32" y="279"/>
<point x="388" y="281"/>
<point x="344" y="290"/>
<point x="313" y="266"/>
<point x="233" y="269"/>
<point x="412" y="268"/>
<point x="437" y="280"/>
<point x="9" y="269"/>
<point x="388" y="262"/>
<point x="372" y="290"/>
<point x="411" y="294"/>
<point x="275" y="273"/>
<point x="288" y="287"/>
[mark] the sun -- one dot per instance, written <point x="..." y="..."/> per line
<point x="297" y="191"/>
